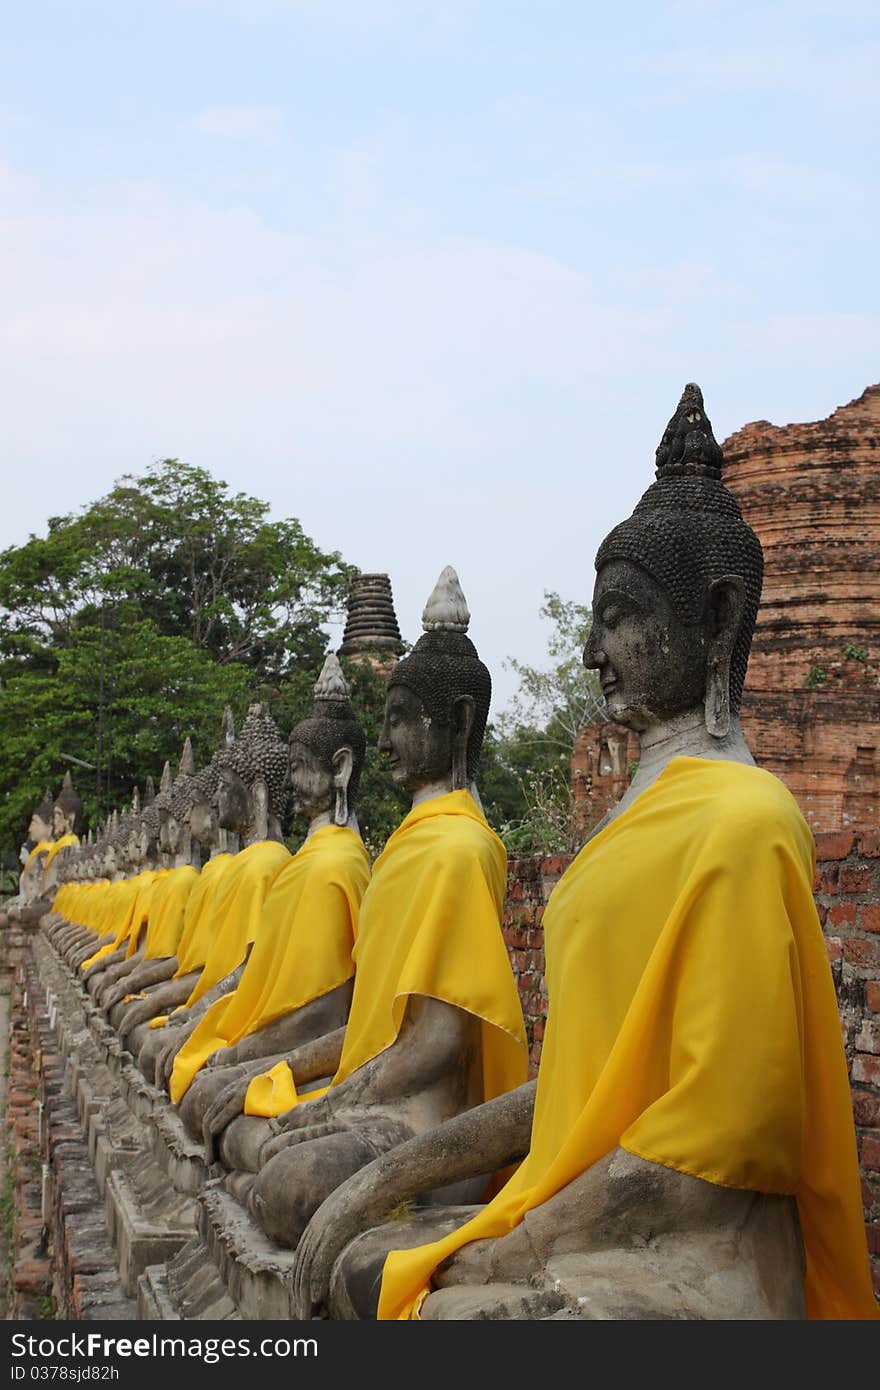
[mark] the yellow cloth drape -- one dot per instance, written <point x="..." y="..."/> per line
<point x="145" y="908"/>
<point x="56" y="846"/>
<point x="235" y="908"/>
<point x="38" y="849"/>
<point x="693" y="1022"/>
<point x="198" y="922"/>
<point x="302" y="949"/>
<point x="131" y="908"/>
<point x="195" y="938"/>
<point x="430" y="924"/>
<point x="167" y="912"/>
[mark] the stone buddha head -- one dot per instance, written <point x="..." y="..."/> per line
<point x="252" y="786"/>
<point x="41" y="822"/>
<point x="67" y="810"/>
<point x="173" y="828"/>
<point x="677" y="590"/>
<point x="145" y="851"/>
<point x="438" y="700"/>
<point x="327" y="752"/>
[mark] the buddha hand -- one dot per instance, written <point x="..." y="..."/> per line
<point x="311" y="1119"/>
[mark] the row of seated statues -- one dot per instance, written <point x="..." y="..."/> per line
<point x="346" y="1040"/>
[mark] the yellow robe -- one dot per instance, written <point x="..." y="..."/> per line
<point x="56" y="846"/>
<point x="195" y="938"/>
<point x="127" y="904"/>
<point x="38" y="848"/>
<point x="234" y="908"/>
<point x="693" y="1022"/>
<point x="199" y="922"/>
<point x="302" y="949"/>
<point x="430" y="924"/>
<point x="167" y="912"/>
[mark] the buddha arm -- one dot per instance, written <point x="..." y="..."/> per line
<point x="319" y="1016"/>
<point x="318" y="1057"/>
<point x="431" y="1044"/>
<point x="481" y="1140"/>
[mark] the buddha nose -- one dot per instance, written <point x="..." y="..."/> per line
<point x="593" y="656"/>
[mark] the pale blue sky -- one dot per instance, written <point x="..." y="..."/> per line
<point x="429" y="276"/>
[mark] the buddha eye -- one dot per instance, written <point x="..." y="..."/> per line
<point x="612" y="615"/>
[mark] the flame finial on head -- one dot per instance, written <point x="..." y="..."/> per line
<point x="331" y="685"/>
<point x="446" y="609"/>
<point x="688" y="446"/>
<point x="187" y="767"/>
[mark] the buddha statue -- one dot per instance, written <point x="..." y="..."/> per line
<point x="191" y="935"/>
<point x="435" y="1025"/>
<point x="33" y="852"/>
<point x="250" y="799"/>
<point x="134" y="859"/>
<point x="297" y="983"/>
<point x="66" y="819"/>
<point x="154" y="960"/>
<point x="688" y="1148"/>
<point x="175" y="836"/>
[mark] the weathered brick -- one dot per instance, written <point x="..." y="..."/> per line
<point x="866" y="1108"/>
<point x="834" y="946"/>
<point x="826" y="878"/>
<point x="834" y="844"/>
<point x="855" y="880"/>
<point x="869" y="917"/>
<point x="868" y="1037"/>
<point x="866" y="1069"/>
<point x="32" y="1276"/>
<point x="871" y="1152"/>
<point x="869" y="843"/>
<point x="872" y="995"/>
<point x="842" y="914"/>
<point x="861" y="953"/>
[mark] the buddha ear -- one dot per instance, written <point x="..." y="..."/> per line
<point x="726" y="600"/>
<point x="462" y="724"/>
<point x="260" y="804"/>
<point x="343" y="766"/>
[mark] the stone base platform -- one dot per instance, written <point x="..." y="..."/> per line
<point x="230" y="1269"/>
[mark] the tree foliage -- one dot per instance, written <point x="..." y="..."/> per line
<point x="163" y="689"/>
<point x="561" y="699"/>
<point x="130" y="624"/>
<point x="197" y="560"/>
<point x="525" y="774"/>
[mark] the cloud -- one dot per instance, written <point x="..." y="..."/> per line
<point x="261" y="124"/>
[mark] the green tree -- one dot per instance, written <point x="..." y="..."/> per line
<point x="159" y="689"/>
<point x="130" y="624"/>
<point x="525" y="773"/>
<point x="196" y="559"/>
<point x="558" y="700"/>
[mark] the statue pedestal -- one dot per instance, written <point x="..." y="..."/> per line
<point x="177" y="1154"/>
<point x="147" y="1223"/>
<point x="229" y="1270"/>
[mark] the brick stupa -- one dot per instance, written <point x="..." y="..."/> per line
<point x="371" y="630"/>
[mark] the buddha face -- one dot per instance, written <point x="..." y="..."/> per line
<point x="418" y="749"/>
<point x="203" y="824"/>
<point x="169" y="832"/>
<point x="60" y="822"/>
<point x="39" y="829"/>
<point x="651" y="665"/>
<point x="232" y="800"/>
<point x="311" y="782"/>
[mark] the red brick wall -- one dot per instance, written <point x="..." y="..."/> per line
<point x="848" y="900"/>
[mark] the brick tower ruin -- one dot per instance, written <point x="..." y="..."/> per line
<point x="811" y="710"/>
<point x="371" y="630"/>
